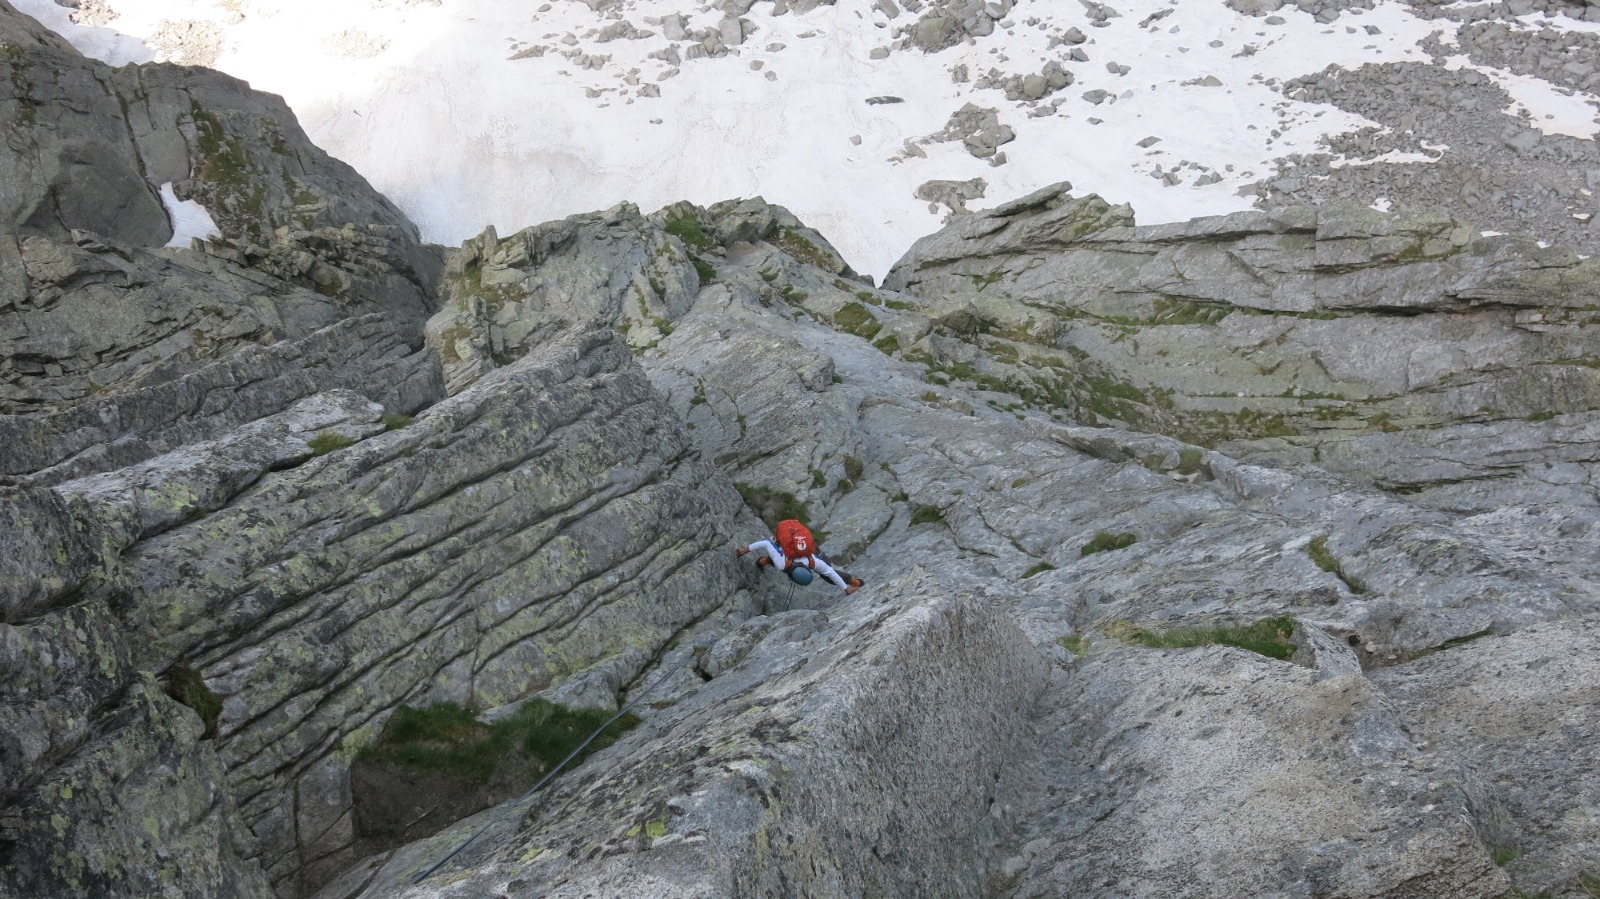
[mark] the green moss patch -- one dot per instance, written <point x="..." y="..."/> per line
<point x="926" y="514"/>
<point x="801" y="248"/>
<point x="855" y="319"/>
<point x="1318" y="550"/>
<point x="1268" y="637"/>
<point x="327" y="442"/>
<point x="689" y="230"/>
<point x="448" y="739"/>
<point x="187" y="686"/>
<point x="773" y="506"/>
<point x="1105" y="541"/>
<point x="1039" y="568"/>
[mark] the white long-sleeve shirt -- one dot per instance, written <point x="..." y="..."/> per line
<point x="778" y="559"/>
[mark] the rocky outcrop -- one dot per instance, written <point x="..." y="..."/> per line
<point x="502" y="296"/>
<point x="215" y="491"/>
<point x="1135" y="767"/>
<point x="1357" y="340"/>
<point x="91" y="144"/>
<point x="637" y="273"/>
<point x="1249" y="556"/>
<point x="858" y="759"/>
<point x="539" y="526"/>
<point x="93" y="306"/>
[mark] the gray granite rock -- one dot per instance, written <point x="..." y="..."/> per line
<point x="859" y="759"/>
<point x="1052" y="438"/>
<point x="1515" y="713"/>
<point x="1301" y="334"/>
<point x="1216" y="772"/>
<point x="510" y="538"/>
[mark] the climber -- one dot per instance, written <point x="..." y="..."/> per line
<point x="794" y="552"/>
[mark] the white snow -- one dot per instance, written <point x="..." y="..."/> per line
<point x="189" y="219"/>
<point x="425" y="101"/>
<point x="1551" y="109"/>
<point x="1431" y="153"/>
<point x="105" y="44"/>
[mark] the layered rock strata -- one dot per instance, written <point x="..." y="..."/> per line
<point x="856" y="756"/>
<point x="1371" y="344"/>
<point x="1136" y="770"/>
<point x="215" y="490"/>
<point x="538" y="526"/>
<point x="249" y="473"/>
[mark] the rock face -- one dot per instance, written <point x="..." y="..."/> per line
<point x="861" y="760"/>
<point x="1248" y="777"/>
<point x="91" y="145"/>
<point x="93" y="305"/>
<point x="1527" y="746"/>
<point x="215" y="490"/>
<point x="1135" y="770"/>
<point x="1391" y="348"/>
<point x="1136" y="767"/>
<point x="522" y="532"/>
<point x="1249" y="556"/>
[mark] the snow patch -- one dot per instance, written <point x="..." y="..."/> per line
<point x="468" y="113"/>
<point x="1547" y="107"/>
<point x="189" y="219"/>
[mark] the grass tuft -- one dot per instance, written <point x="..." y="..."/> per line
<point x="446" y="738"/>
<point x="1318" y="550"/>
<point x="1076" y="644"/>
<point x="926" y="514"/>
<point x="1268" y="637"/>
<point x="854" y="468"/>
<point x="188" y="687"/>
<point x="855" y="319"/>
<point x="773" y="506"/>
<point x="1189" y="460"/>
<point x="689" y="230"/>
<point x="1105" y="541"/>
<point x="327" y="442"/>
<point x="395" y="421"/>
<point x="1040" y="568"/>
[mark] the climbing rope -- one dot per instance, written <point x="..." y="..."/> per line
<point x="552" y="772"/>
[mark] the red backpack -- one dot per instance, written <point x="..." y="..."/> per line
<point x="795" y="540"/>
